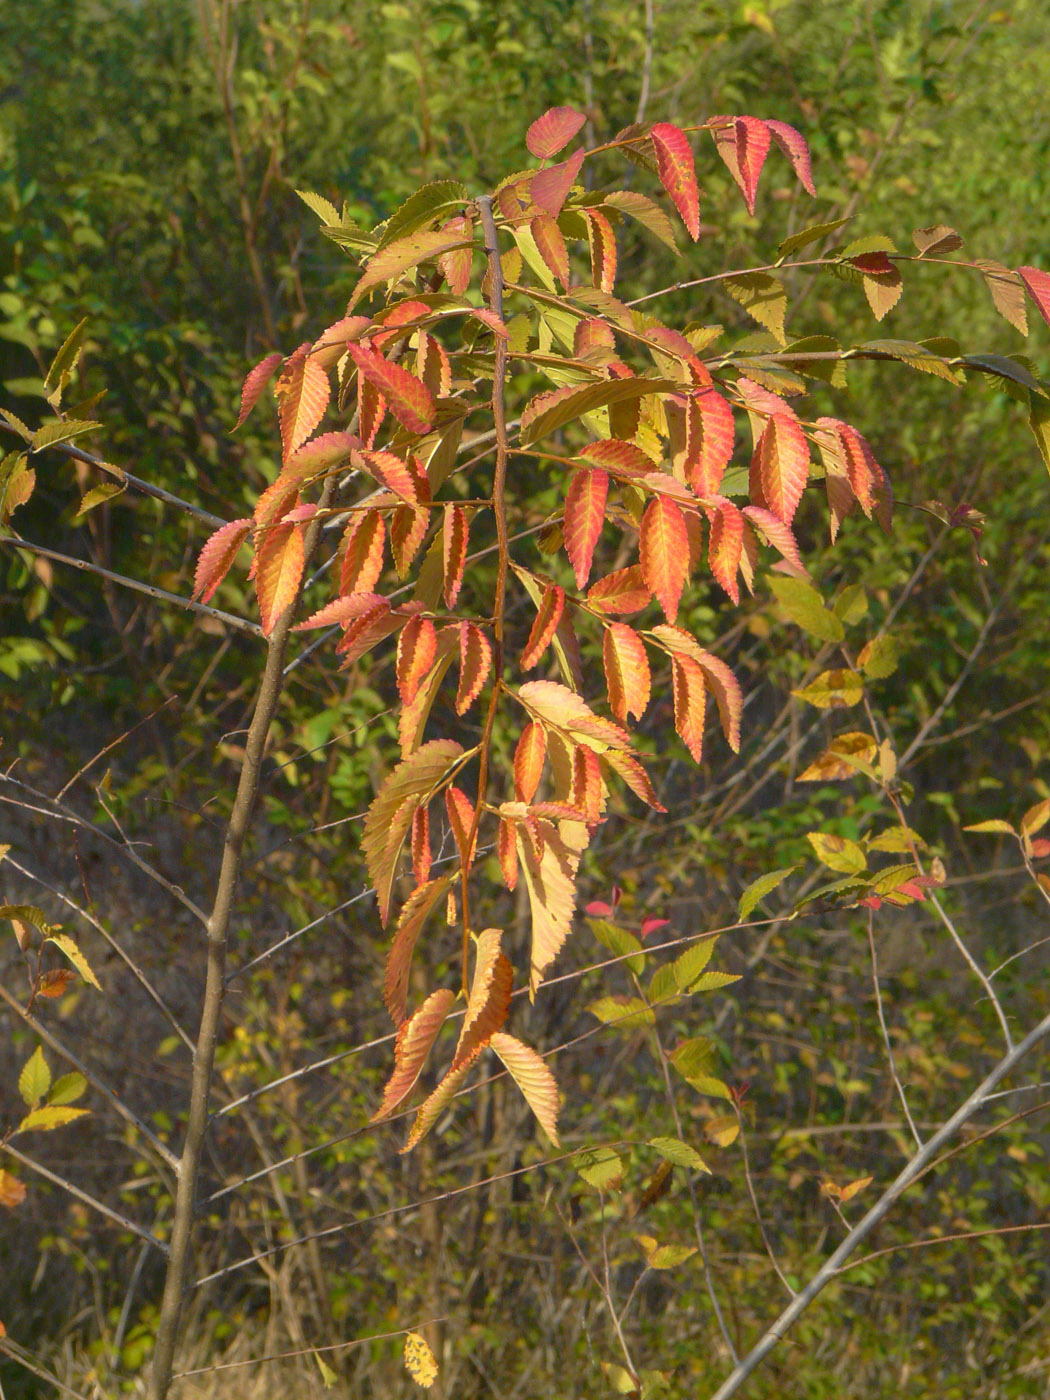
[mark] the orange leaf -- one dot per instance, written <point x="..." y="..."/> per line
<point x="726" y="689"/>
<point x="475" y="663"/>
<point x="588" y="787"/>
<point x="217" y="556"/>
<point x="279" y="568"/>
<point x="489" y="999"/>
<point x="455" y="265"/>
<point x="416" y="651"/>
<point x="433" y="365"/>
<point x="724" y="546"/>
<point x="417" y="909"/>
<point x="552" y="248"/>
<point x="410" y="400"/>
<point x="664" y="550"/>
<point x="555" y="129"/>
<point x="743" y="144"/>
<point x="367" y="631"/>
<point x="562" y="709"/>
<point x="674" y="163"/>
<point x="408" y="530"/>
<point x="550" y="878"/>
<point x="461" y="818"/>
<point x="255" y="382"/>
<point x="528" y="760"/>
<point x="592" y="334"/>
<point x="779" y="536"/>
<point x="507" y="849"/>
<point x="623" y="591"/>
<point x="342" y="610"/>
<point x="414" y="1042"/>
<point x="690" y="703"/>
<point x="420" y="844"/>
<point x="548" y="616"/>
<point x="603" y="249"/>
<point x="371" y="410"/>
<point x="634" y="775"/>
<point x="533" y="1078"/>
<point x="709" y="440"/>
<point x="780" y="467"/>
<point x="454" y="545"/>
<point x="302" y="391"/>
<point x="12" y="1193"/>
<point x="617" y="456"/>
<point x="583" y="519"/>
<point x="550" y="188"/>
<point x="432" y="1107"/>
<point x="363" y="543"/>
<point x="626" y="671"/>
<point x="391" y="472"/>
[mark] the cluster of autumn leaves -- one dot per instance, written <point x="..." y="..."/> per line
<point x="656" y="462"/>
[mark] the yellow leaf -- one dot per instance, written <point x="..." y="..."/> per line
<point x="419" y="1360"/>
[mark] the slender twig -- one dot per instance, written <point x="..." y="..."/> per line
<point x="885" y="1031"/>
<point x="137" y="483"/>
<point x="73" y="1190"/>
<point x="307" y="1351"/>
<point x="184" y="1211"/>
<point x="111" y="746"/>
<point x="970" y="1105"/>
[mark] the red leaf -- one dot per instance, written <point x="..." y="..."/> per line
<point x="368" y="631"/>
<point x="592" y="334"/>
<point x="371" y="410"/>
<point x="623" y="591"/>
<point x="634" y="775"/>
<point x="1037" y="283"/>
<point x="555" y="129"/>
<point x="724" y="546"/>
<point x="780" y="467"/>
<point x="583" y="519"/>
<point x="627" y="673"/>
<point x="433" y="365"/>
<point x="690" y="703"/>
<point x="454" y="546"/>
<point x="475" y="663"/>
<point x="364" y="542"/>
<point x="408" y="528"/>
<point x="664" y="550"/>
<point x="421" y="857"/>
<point x="550" y="188"/>
<point x="793" y="144"/>
<point x="217" y="556"/>
<point x="528" y="760"/>
<point x="490" y="319"/>
<point x="255" y="382"/>
<point x="391" y="472"/>
<point x="866" y="478"/>
<point x="330" y="346"/>
<point x="416" y="652"/>
<point x="414" y="1042"/>
<point x="548" y="615"/>
<point x="726" y="689"/>
<point x="709" y="440"/>
<point x="743" y="144"/>
<point x="279" y="567"/>
<point x="461" y="818"/>
<point x="302" y="392"/>
<point x="603" y="249"/>
<point x="617" y="456"/>
<point x="507" y="850"/>
<point x="455" y="265"/>
<point x="552" y="248"/>
<point x="409" y="398"/>
<point x="343" y="610"/>
<point x="674" y="163"/>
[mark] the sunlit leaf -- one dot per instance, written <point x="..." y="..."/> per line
<point x="677" y="171"/>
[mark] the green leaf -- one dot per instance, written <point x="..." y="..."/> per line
<point x="880" y="657"/>
<point x="622" y="1013"/>
<point x="63" y="431"/>
<point x="997" y="826"/>
<point x="547" y="412"/>
<point x="65" y="944"/>
<point x="688" y="967"/>
<point x="432" y="203"/>
<point x="680" y="1153"/>
<point x="328" y="1376"/>
<point x="896" y="839"/>
<point x="64" y="363"/>
<point x="805" y="236"/>
<point x="916" y="357"/>
<point x="98" y="496"/>
<point x="758" y="889"/>
<point x="26" y="914"/>
<point x="323" y="208"/>
<point x="35" y="1079"/>
<point x="638" y="206"/>
<point x="67" y="1089"/>
<point x="713" y="981"/>
<point x="1005" y="367"/>
<point x="619" y="941"/>
<point x="837" y="852"/>
<point x="832" y="690"/>
<point x="833" y="372"/>
<point x="805" y="607"/>
<point x="388" y="264"/>
<point x="43" y="1120"/>
<point x="600" y="1167"/>
<point x="664" y="1256"/>
<point x="1039" y="422"/>
<point x="851" y="604"/>
<point x="662" y="985"/>
<point x="695" y="1057"/>
<point x="763" y="298"/>
<point x="870" y="243"/>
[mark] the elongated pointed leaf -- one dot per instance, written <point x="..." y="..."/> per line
<point x="627" y="672"/>
<point x="551" y="244"/>
<point x="416" y="653"/>
<point x="794" y="146"/>
<point x="724" y="546"/>
<point x="528" y="761"/>
<point x="460" y="811"/>
<point x="434" y="1106"/>
<point x="533" y="1078"/>
<point x="217" y="556"/>
<point x="255" y="382"/>
<point x="624" y="591"/>
<point x="562" y="709"/>
<point x="1037" y="284"/>
<point x="630" y="769"/>
<point x="710" y="432"/>
<point x="552" y="410"/>
<point x="475" y="663"/>
<point x="344" y="609"/>
<point x="664" y="550"/>
<point x="409" y="399"/>
<point x="640" y="207"/>
<point x="406" y="253"/>
<point x="677" y="171"/>
<point x="415" y="1040"/>
<point x="743" y="143"/>
<point x="690" y="703"/>
<point x="779" y="535"/>
<point x="418" y="908"/>
<point x="422" y="857"/>
<point x="279" y="568"/>
<point x="363" y="547"/>
<point x="1007" y="292"/>
<point x="583" y="519"/>
<point x="780" y="467"/>
<point x="454" y="545"/>
<point x="555" y="129"/>
<point x="543" y="629"/>
<point x="550" y="188"/>
<point x="603" y="249"/>
<point x="550" y="879"/>
<point x="489" y="999"/>
<point x="302" y="396"/>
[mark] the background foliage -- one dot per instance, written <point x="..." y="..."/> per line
<point x="146" y="151"/>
